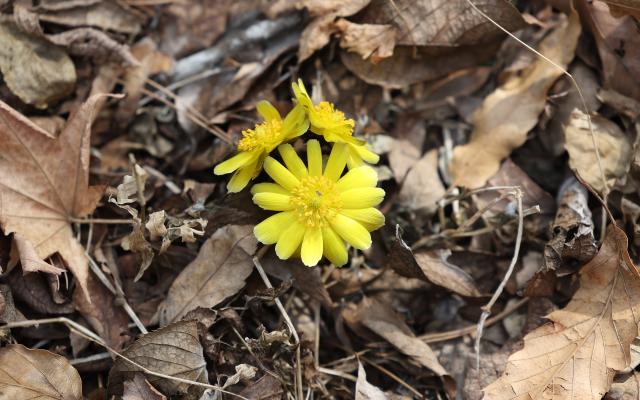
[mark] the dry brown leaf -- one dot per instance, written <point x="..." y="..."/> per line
<point x="618" y="45"/>
<point x="219" y="271"/>
<point x="37" y="374"/>
<point x="365" y="390"/>
<point x="45" y="183"/>
<point x="174" y="350"/>
<point x="470" y="28"/>
<point x="431" y="266"/>
<point x="402" y="157"/>
<point x="29" y="259"/>
<point x="108" y="319"/>
<point x="576" y="354"/>
<point x="614" y="146"/>
<point x="139" y="389"/>
<point x="106" y="15"/>
<point x="265" y="388"/>
<point x="422" y="187"/>
<point x="409" y="64"/>
<point x="368" y="40"/>
<point x="512" y="110"/>
<point x="35" y="70"/>
<point x="381" y="319"/>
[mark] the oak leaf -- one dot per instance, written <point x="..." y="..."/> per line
<point x="44" y="184"/>
<point x="37" y="374"/>
<point x="577" y="354"/>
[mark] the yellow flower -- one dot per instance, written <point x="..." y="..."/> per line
<point x="331" y="123"/>
<point x="318" y="210"/>
<point x="257" y="143"/>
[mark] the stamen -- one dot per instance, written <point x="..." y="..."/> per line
<point x="316" y="201"/>
<point x="266" y="135"/>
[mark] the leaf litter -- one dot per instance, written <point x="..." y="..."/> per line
<point x="128" y="271"/>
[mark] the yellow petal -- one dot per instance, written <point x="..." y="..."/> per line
<point x="290" y="240"/>
<point x="267" y="111"/>
<point x="300" y="92"/>
<point x="272" y="201"/>
<point x="366" y="154"/>
<point x="241" y="178"/>
<point x="314" y="157"/>
<point x="363" y="176"/>
<point x="235" y="162"/>
<point x="334" y="247"/>
<point x="269" y="230"/>
<point x="362" y="197"/>
<point x="370" y="218"/>
<point x="280" y="174"/>
<point x="351" y="231"/>
<point x="295" y="123"/>
<point x="269" y="188"/>
<point x="311" y="251"/>
<point x="337" y="161"/>
<point x="292" y="161"/>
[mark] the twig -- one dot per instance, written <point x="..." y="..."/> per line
<point x="102" y="221"/>
<point x="89" y="335"/>
<point x="393" y="376"/>
<point x="287" y="319"/>
<point x="486" y="310"/>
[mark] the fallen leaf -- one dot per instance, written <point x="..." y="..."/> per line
<point x="106" y="15"/>
<point x="381" y="319"/>
<point x="37" y="71"/>
<point x="365" y="390"/>
<point x="139" y="389"/>
<point x="627" y="388"/>
<point x="265" y="388"/>
<point x="174" y="350"/>
<point x="219" y="271"/>
<point x="29" y="259"/>
<point x="37" y="374"/>
<point x="45" y="184"/>
<point x="368" y="40"/>
<point x="431" y="266"/>
<point x="470" y="28"/>
<point x="32" y="289"/>
<point x="422" y="187"/>
<point x="402" y="157"/>
<point x="244" y="372"/>
<point x="614" y="147"/>
<point x="506" y="116"/>
<point x="108" y="319"/>
<point x="577" y="353"/>
<point x="8" y="311"/>
<point x="618" y="45"/>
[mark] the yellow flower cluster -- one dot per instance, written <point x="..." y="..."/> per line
<point x="319" y="209"/>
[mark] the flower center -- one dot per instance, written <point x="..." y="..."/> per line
<point x="315" y="201"/>
<point x="327" y="112"/>
<point x="266" y="135"/>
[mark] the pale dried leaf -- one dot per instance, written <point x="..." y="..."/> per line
<point x="402" y="157"/>
<point x="219" y="271"/>
<point x="614" y="147"/>
<point x="45" y="181"/>
<point x="155" y="225"/>
<point x="37" y="374"/>
<point x="36" y="71"/>
<point x="128" y="189"/>
<point x="368" y="40"/>
<point x="29" y="259"/>
<point x="422" y="187"/>
<point x="512" y="110"/>
<point x="244" y="373"/>
<point x="365" y="390"/>
<point x="174" y="350"/>
<point x="627" y="388"/>
<point x="576" y="354"/>
<point x="139" y="389"/>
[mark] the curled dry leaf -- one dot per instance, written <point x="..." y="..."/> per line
<point x="431" y="266"/>
<point x="365" y="390"/>
<point x="174" y="350"/>
<point x="139" y="388"/>
<point x="422" y="187"/>
<point x="37" y="374"/>
<point x="506" y="116"/>
<point x="576" y="354"/>
<point x="45" y="183"/>
<point x="36" y="71"/>
<point x="219" y="271"/>
<point x="368" y="40"/>
<point x="614" y="146"/>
